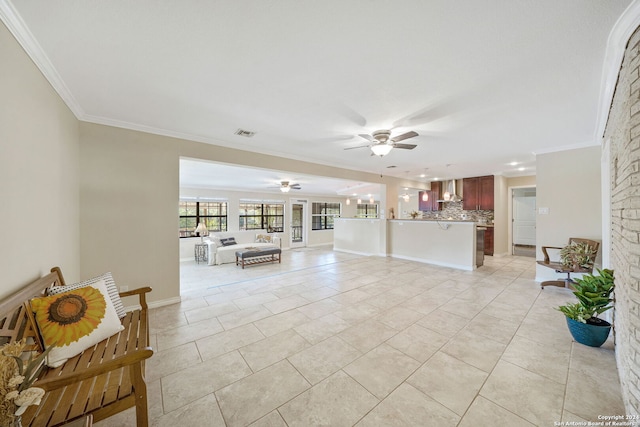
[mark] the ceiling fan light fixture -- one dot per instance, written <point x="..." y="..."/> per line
<point x="381" y="149"/>
<point x="285" y="189"/>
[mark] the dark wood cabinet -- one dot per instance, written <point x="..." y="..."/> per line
<point x="488" y="241"/>
<point x="477" y="193"/>
<point x="433" y="196"/>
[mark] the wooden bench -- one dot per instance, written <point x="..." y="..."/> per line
<point x="102" y="381"/>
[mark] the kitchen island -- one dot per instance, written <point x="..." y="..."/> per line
<point x="446" y="243"/>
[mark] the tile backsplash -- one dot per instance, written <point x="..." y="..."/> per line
<point x="453" y="210"/>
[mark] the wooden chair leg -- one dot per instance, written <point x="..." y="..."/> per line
<point x="140" y="388"/>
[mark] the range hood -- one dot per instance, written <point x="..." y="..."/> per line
<point x="449" y="193"/>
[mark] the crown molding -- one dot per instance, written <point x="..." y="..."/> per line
<point x="565" y="148"/>
<point x="16" y="25"/>
<point x="619" y="36"/>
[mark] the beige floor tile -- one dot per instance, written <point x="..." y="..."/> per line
<point x="351" y="297"/>
<point x="443" y="322"/>
<point x="280" y="322"/>
<point x="408" y="406"/>
<point x="323" y="359"/>
<point x="367" y="335"/>
<point x="319" y="293"/>
<point x="358" y="312"/>
<point x="243" y="317"/>
<point x="210" y="311"/>
<point x="172" y="360"/>
<point x="169" y="318"/>
<point x="193" y="414"/>
<point x="463" y="308"/>
<point x="483" y="412"/>
<point x="251" y="398"/>
<point x="386" y="300"/>
<point x="337" y="401"/>
<point x="382" y="370"/>
<point x="273" y="349"/>
<point x="418" y="342"/>
<point x="319" y="308"/>
<point x="535" y="398"/>
<point x="492" y="327"/>
<point x="593" y="369"/>
<point x="224" y="342"/>
<point x="476" y="350"/>
<point x="190" y="384"/>
<point x="505" y="311"/>
<point x="322" y="328"/>
<point x="449" y="381"/>
<point x="253" y="300"/>
<point x="550" y="362"/>
<point x="183" y="334"/>
<point x="272" y="419"/>
<point x="285" y="304"/>
<point x="399" y="318"/>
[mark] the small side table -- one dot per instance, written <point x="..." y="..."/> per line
<point x="200" y="252"/>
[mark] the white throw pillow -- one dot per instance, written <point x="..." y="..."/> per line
<point x="111" y="287"/>
<point x="75" y="320"/>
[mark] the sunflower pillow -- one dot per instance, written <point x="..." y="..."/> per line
<point x="111" y="287"/>
<point x="75" y="320"/>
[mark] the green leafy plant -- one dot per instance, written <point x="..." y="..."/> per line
<point x="594" y="297"/>
<point x="578" y="255"/>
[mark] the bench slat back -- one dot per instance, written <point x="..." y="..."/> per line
<point x="15" y="322"/>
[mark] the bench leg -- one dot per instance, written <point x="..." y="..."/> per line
<point x="140" y="388"/>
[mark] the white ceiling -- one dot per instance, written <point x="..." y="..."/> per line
<point x="484" y="83"/>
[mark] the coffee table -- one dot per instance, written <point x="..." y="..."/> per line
<point x="251" y="256"/>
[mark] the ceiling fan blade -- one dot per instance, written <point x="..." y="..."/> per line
<point x="295" y="186"/>
<point x="367" y="137"/>
<point x="359" y="146"/>
<point x="410" y="134"/>
<point x="405" y="146"/>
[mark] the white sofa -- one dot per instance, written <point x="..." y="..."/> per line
<point x="219" y="254"/>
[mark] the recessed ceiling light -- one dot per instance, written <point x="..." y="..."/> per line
<point x="513" y="163"/>
<point x="422" y="175"/>
<point x="521" y="169"/>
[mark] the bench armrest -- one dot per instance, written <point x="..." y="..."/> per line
<point x="82" y="374"/>
<point x="141" y="292"/>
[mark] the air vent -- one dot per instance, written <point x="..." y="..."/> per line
<point x="391" y="167"/>
<point x="245" y="133"/>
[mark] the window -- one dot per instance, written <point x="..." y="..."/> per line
<point x="257" y="216"/>
<point x="367" y="210"/>
<point x="212" y="214"/>
<point x="322" y="215"/>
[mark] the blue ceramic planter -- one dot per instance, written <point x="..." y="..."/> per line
<point x="591" y="335"/>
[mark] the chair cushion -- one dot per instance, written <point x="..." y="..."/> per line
<point x="263" y="238"/>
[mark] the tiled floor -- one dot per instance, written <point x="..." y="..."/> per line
<point x="337" y="339"/>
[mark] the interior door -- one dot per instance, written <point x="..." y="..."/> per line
<point x="298" y="224"/>
<point x="524" y="216"/>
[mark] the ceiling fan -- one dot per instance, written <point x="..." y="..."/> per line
<point x="382" y="143"/>
<point x="285" y="186"/>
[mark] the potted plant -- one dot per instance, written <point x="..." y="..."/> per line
<point x="594" y="298"/>
<point x="578" y="256"/>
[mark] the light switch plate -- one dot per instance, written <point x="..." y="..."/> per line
<point x="543" y="211"/>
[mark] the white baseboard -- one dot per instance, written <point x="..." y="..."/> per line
<point x="347" y="251"/>
<point x="442" y="264"/>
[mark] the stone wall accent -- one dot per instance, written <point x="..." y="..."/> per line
<point x="623" y="135"/>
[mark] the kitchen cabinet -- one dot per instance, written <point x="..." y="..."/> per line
<point x="434" y="195"/>
<point x="477" y="193"/>
<point x="488" y="241"/>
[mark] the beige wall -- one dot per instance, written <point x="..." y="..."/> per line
<point x="129" y="196"/>
<point x="568" y="184"/>
<point x="38" y="174"/>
